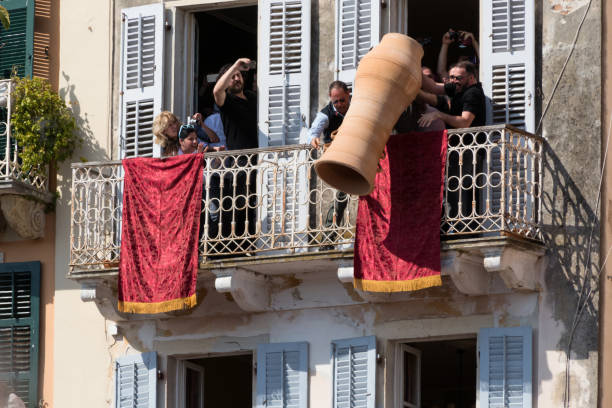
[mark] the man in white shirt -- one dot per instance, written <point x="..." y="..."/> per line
<point x="325" y="123"/>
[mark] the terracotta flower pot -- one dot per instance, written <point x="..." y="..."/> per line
<point x="387" y="81"/>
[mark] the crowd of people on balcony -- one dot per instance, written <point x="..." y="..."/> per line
<point x="451" y="98"/>
<point x="448" y="99"/>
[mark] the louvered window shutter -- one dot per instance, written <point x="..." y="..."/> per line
<point x="357" y="30"/>
<point x="284" y="71"/>
<point x="141" y="78"/>
<point x="505" y="367"/>
<point x="507" y="61"/>
<point x="136" y="381"/>
<point x="19" y="323"/>
<point x="354" y="372"/>
<point x="284" y="105"/>
<point x="282" y="375"/>
<point x="16" y="43"/>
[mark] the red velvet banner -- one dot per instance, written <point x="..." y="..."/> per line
<point x="397" y="245"/>
<point x="162" y="200"/>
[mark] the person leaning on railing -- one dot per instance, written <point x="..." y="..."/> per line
<point x="327" y="121"/>
<point x="467" y="99"/>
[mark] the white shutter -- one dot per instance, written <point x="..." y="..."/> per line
<point x="354" y="362"/>
<point x="505" y="367"/>
<point x="284" y="71"/>
<point x="136" y="381"/>
<point x="357" y="30"/>
<point x="141" y="78"/>
<point x="284" y="106"/>
<point x="282" y="375"/>
<point x="507" y="61"/>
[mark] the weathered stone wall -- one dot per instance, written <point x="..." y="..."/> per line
<point x="572" y="129"/>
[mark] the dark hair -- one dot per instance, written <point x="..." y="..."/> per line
<point x="338" y="84"/>
<point x="185" y="131"/>
<point x="223" y="70"/>
<point x="470" y="68"/>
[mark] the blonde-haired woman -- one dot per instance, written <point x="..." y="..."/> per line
<point x="165" y="130"/>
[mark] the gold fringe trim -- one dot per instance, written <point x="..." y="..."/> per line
<point x="397" y="286"/>
<point x="157" y="307"/>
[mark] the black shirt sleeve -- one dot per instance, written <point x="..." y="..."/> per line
<point x="473" y="101"/>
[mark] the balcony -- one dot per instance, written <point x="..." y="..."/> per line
<point x="490" y="223"/>
<point x="23" y="195"/>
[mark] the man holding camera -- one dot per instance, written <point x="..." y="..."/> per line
<point x="464" y="41"/>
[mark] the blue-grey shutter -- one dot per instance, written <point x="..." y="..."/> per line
<point x="19" y="323"/>
<point x="282" y="375"/>
<point x="136" y="381"/>
<point x="505" y="367"/>
<point x="354" y="363"/>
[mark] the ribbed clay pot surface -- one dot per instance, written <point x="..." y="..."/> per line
<point x="387" y="81"/>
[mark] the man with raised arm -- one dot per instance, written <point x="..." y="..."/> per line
<point x="238" y="106"/>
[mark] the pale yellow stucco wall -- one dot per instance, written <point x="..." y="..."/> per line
<point x="81" y="360"/>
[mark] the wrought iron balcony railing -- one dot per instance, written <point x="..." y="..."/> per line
<point x="270" y="201"/>
<point x="12" y="178"/>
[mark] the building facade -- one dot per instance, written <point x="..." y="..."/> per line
<point x="286" y="327"/>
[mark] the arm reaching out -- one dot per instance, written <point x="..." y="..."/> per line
<point x="241" y="64"/>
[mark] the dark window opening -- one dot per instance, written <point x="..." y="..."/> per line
<point x="448" y="373"/>
<point x="222" y="36"/>
<point x="228" y="382"/>
<point x="427" y="22"/>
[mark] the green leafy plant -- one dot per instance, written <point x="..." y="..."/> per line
<point x="5" y="20"/>
<point x="44" y="127"/>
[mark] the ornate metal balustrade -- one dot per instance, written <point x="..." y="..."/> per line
<point x="12" y="178"/>
<point x="271" y="201"/>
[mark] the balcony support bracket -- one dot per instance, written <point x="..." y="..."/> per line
<point x="467" y="272"/>
<point x="517" y="267"/>
<point x="250" y="290"/>
<point x="24" y="216"/>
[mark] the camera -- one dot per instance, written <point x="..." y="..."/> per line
<point x="454" y="35"/>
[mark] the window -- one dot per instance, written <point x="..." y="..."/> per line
<point x="495" y="369"/>
<point x="19" y="324"/>
<point x="506" y="33"/>
<point x="219" y="381"/>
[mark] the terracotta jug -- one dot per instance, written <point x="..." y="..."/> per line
<point x="387" y="81"/>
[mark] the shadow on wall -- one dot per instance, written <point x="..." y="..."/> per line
<point x="569" y="224"/>
<point x="90" y="150"/>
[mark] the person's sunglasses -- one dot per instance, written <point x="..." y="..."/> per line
<point x="185" y="130"/>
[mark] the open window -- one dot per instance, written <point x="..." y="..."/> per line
<point x="438" y="374"/>
<point x="219" y="381"/>
<point x="495" y="368"/>
<point x="505" y="31"/>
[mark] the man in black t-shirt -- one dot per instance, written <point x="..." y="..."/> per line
<point x="467" y="100"/>
<point x="238" y="108"/>
<point x="466" y="109"/>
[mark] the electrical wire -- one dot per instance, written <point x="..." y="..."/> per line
<point x="569" y="55"/>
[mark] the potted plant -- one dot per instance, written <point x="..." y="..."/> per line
<point x="43" y="126"/>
